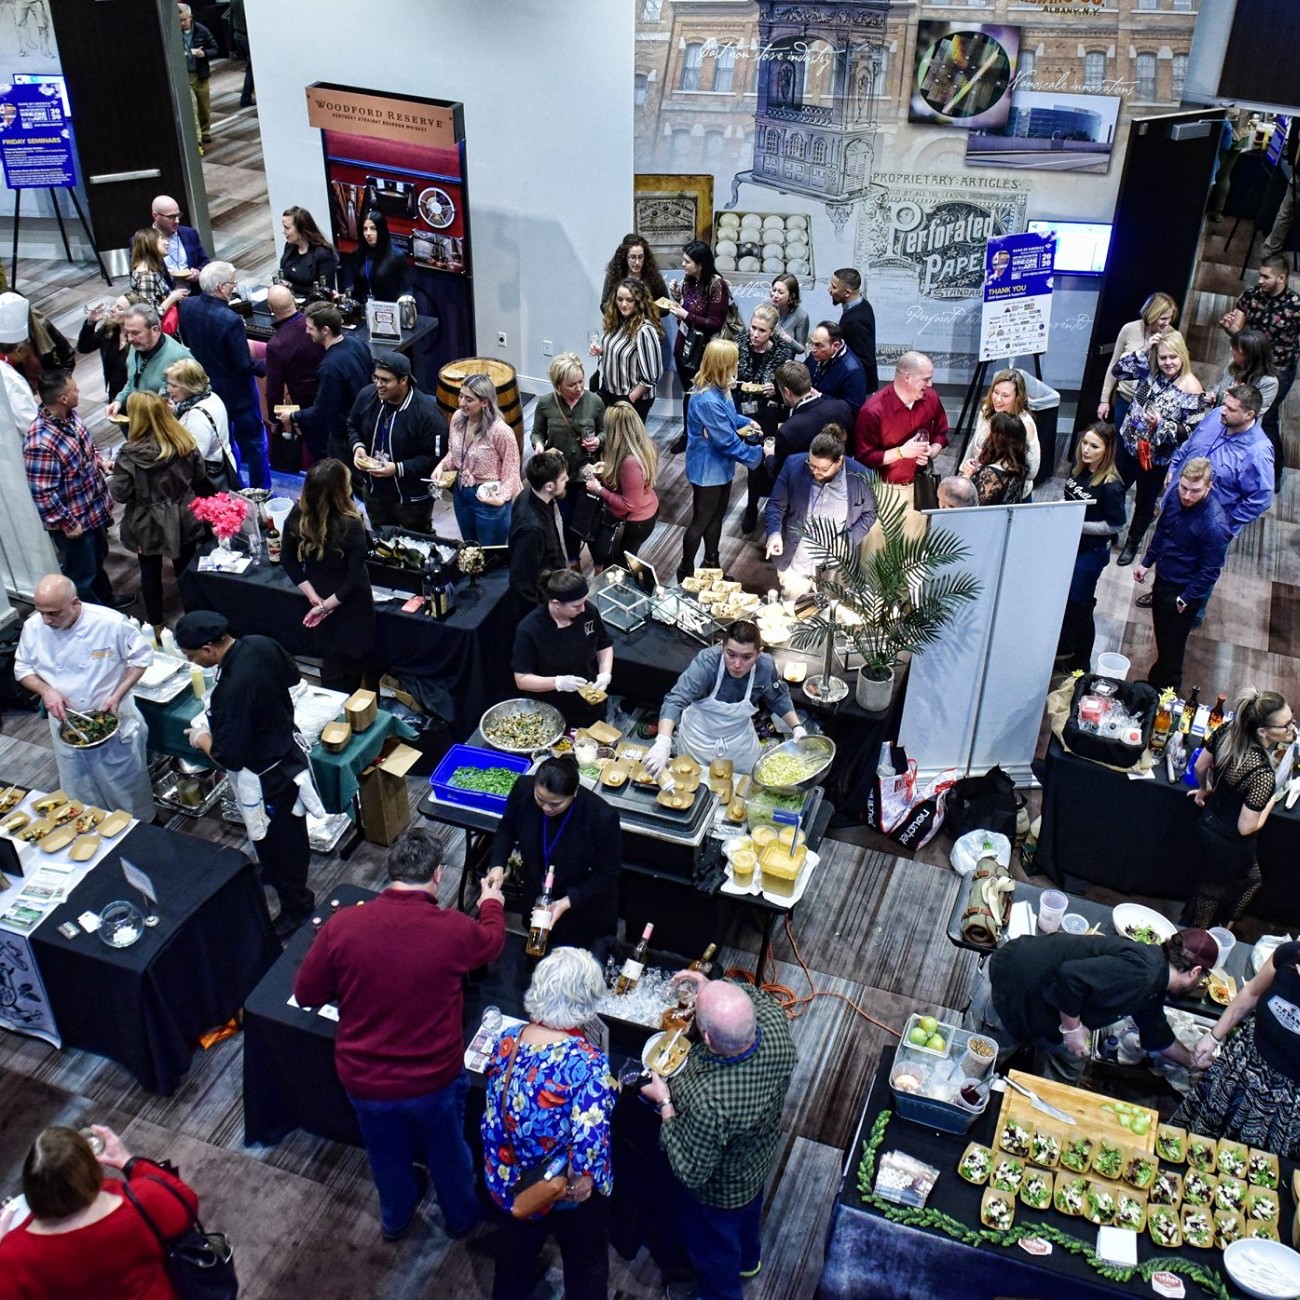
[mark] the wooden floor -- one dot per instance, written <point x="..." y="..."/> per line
<point x="303" y="1214"/>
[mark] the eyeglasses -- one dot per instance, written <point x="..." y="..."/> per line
<point x="381" y="380"/>
<point x="170" y="216"/>
<point x="1289" y="725"/>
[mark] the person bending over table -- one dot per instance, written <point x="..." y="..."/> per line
<point x="712" y="704"/>
<point x="1047" y="991"/>
<point x="1235" y="785"/>
<point x="324" y="553"/>
<point x="553" y="820"/>
<point x="563" y="646"/>
<point x="250" y="732"/>
<point x="1251" y="1090"/>
<point x="77" y="656"/>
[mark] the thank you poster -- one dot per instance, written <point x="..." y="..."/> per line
<point x="1017" y="310"/>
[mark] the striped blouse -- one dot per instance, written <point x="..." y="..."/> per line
<point x="493" y="458"/>
<point x="626" y="362"/>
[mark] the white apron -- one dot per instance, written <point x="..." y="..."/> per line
<point x="710" y="729"/>
<point x="114" y="774"/>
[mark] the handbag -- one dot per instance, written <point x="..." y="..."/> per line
<point x="597" y="525"/>
<point x="171" y="321"/>
<point x="538" y="1190"/>
<point x="925" y="489"/>
<point x="693" y="342"/>
<point x="983" y="803"/>
<point x="200" y="1265"/>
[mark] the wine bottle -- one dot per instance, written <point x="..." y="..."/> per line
<point x="1216" y="715"/>
<point x="630" y="976"/>
<point x="539" y="925"/>
<point x="1164" y="721"/>
<point x="1189" y="710"/>
<point x="704" y="964"/>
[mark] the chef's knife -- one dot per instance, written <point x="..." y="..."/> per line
<point x="1039" y="1104"/>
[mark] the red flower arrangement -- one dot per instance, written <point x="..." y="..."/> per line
<point x="224" y="511"/>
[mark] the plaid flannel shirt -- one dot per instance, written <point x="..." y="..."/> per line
<point x="63" y="474"/>
<point x="723" y="1140"/>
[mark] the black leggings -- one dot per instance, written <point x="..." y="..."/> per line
<point x="709" y="508"/>
<point x="641" y="407"/>
<point x="151" y="579"/>
<point x="635" y="536"/>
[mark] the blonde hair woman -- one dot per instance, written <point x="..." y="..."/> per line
<point x="204" y="416"/>
<point x="1006" y="396"/>
<point x="1157" y="314"/>
<point x="569" y="419"/>
<point x="154" y="477"/>
<point x="625" y="481"/>
<point x="716" y="438"/>
<point x="482" y="450"/>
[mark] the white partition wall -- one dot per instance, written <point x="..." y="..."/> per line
<point x="26" y="553"/>
<point x="975" y="698"/>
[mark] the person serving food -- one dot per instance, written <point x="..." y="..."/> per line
<point x="711" y="706"/>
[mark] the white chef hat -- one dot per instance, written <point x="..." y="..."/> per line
<point x="14" y="311"/>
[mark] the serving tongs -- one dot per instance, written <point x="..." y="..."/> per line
<point x="72" y="726"/>
<point x="1037" y="1102"/>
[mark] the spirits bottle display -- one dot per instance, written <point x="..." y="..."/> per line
<point x="1189" y="710"/>
<point x="630" y="976"/>
<point x="1164" y="721"/>
<point x="1216" y="715"/>
<point x="704" y="964"/>
<point x="539" y="925"/>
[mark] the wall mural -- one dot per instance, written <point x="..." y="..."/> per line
<point x="904" y="138"/>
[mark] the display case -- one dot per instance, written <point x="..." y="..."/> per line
<point x="622" y="604"/>
<point x="678" y="610"/>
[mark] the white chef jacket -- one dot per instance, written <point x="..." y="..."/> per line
<point x="85" y="662"/>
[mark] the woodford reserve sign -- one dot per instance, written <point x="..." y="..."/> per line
<point x="422" y="122"/>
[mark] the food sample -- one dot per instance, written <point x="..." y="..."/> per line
<point x="1229" y="1194"/>
<point x="976" y="1164"/>
<point x="737" y="811"/>
<point x="90" y="819"/>
<point x="1078" y="1154"/>
<point x="1198" y="1188"/>
<point x="1262" y="1169"/>
<point x="788" y="769"/>
<point x="1261" y="1231"/>
<point x="1131" y="1211"/>
<point x="1139" y="1170"/>
<point x="68" y="812"/>
<point x="722" y="769"/>
<point x="1218" y="989"/>
<point x="678" y="800"/>
<point x="631" y="753"/>
<point x="1008" y="1173"/>
<point x="668" y="1052"/>
<point x="1198" y="1227"/>
<point x="684" y="766"/>
<point x="1171" y="1144"/>
<point x="1099" y="1204"/>
<point x="13" y="824"/>
<point x="1045" y="1149"/>
<point x="11" y="796"/>
<point x="1228" y="1227"/>
<point x="593" y="694"/>
<point x="1165" y="1226"/>
<point x="1234" y="1158"/>
<point x="49" y="802"/>
<point x="1261" y="1204"/>
<point x="1167" y="1188"/>
<point x="88" y="729"/>
<point x="614" y="775"/>
<point x="1108" y="1159"/>
<point x="1202" y="1152"/>
<point x="1015" y="1138"/>
<point x="644" y="777"/>
<point x="997" y="1209"/>
<point x="1036" y="1190"/>
<point x="37" y="831"/>
<point x="1070" y="1191"/>
<point x="1142" y="934"/>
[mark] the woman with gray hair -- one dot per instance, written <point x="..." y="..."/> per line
<point x="482" y="464"/>
<point x="549" y="1101"/>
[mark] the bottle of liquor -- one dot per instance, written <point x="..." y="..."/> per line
<point x="539" y="925"/>
<point x="1164" y="721"/>
<point x="704" y="964"/>
<point x="1189" y="710"/>
<point x="630" y="976"/>
<point x="1216" y="715"/>
<point x="273" y="543"/>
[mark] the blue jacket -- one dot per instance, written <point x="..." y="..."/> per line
<point x="787" y="507"/>
<point x="195" y="254"/>
<point x="1189" y="544"/>
<point x="215" y="334"/>
<point x="1243" y="467"/>
<point x="345" y="370"/>
<point x="712" y="444"/>
<point x="841" y="377"/>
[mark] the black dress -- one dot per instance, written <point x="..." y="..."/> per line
<point x="384" y="280"/>
<point x="547" y="650"/>
<point x="586" y="851"/>
<point x="302" y="270"/>
<point x="347" y="636"/>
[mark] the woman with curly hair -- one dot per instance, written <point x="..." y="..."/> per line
<point x="633" y="260"/>
<point x="630" y="349"/>
<point x="1006" y="395"/>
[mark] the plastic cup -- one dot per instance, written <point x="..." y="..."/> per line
<point x="1226" y="940"/>
<point x="1051" y="907"/>
<point x="1073" y="923"/>
<point x="1110" y="664"/>
<point x="971" y="1088"/>
<point x="977" y="1062"/>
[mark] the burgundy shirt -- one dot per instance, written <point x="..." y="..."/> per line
<point x="292" y="362"/>
<point x="394" y="969"/>
<point x="884" y="422"/>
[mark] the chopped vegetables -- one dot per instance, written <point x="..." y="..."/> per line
<point x="1129" y="1212"/>
<point x="1069" y="1195"/>
<point x="1078" y="1155"/>
<point x="486" y="780"/>
<point x="1007" y="1175"/>
<point x="1036" y="1191"/>
<point x="1162" y="1223"/>
<point x="1142" y="934"/>
<point x="1171" y="1145"/>
<point x="1099" y="1205"/>
<point x="1202" y="1153"/>
<point x="1015" y="1138"/>
<point x="1045" y="1150"/>
<point x="974" y="1167"/>
<point x="525" y="729"/>
<point x="1198" y="1188"/>
<point x="788" y="769"/>
<point x="1230" y="1194"/>
<point x="1197" y="1228"/>
<point x="1233" y="1159"/>
<point x="1167" y="1189"/>
<point x="86" y="729"/>
<point x="1262" y="1171"/>
<point x="1140" y="1171"/>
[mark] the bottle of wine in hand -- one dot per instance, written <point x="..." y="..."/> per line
<point x="539" y="925"/>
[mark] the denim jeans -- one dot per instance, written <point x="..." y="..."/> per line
<point x="248" y="433"/>
<point x="487" y="525"/>
<point x="429" y="1129"/>
<point x="82" y="561"/>
<point x="720" y="1244"/>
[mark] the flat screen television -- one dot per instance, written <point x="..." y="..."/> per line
<point x="1081" y="246"/>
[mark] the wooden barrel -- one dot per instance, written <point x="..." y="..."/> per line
<point x="502" y="375"/>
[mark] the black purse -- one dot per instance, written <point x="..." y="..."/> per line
<point x="200" y="1265"/>
<point x="925" y="489"/>
<point x="593" y="521"/>
<point x="693" y="342"/>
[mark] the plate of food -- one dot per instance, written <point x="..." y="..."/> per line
<point x="88" y="730"/>
<point x="1143" y="924"/>
<point x="665" y="1053"/>
<point x="593" y="695"/>
<point x="520" y="726"/>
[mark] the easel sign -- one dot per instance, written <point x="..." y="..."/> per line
<point x="1016" y="315"/>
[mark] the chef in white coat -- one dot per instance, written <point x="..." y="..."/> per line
<point x="711" y="707"/>
<point x="88" y="657"/>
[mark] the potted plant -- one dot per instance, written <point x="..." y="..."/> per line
<point x="899" y="595"/>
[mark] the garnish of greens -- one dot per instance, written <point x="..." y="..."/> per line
<point x="1035" y="1192"/>
<point x="1197" y="1188"/>
<point x="1007" y="1175"/>
<point x="87" y="728"/>
<point x="1197" y="1228"/>
<point x="1170" y="1147"/>
<point x="1077" y="1154"/>
<point x="1201" y="1154"/>
<point x="486" y="780"/>
<point x="1227" y="1228"/>
<point x="1230" y="1194"/>
<point x="1046" y="1150"/>
<point x="1109" y="1161"/>
<point x="1262" y="1173"/>
<point x="1163" y="1225"/>
<point x="974" y="1166"/>
<point x="1015" y="1139"/>
<point x="1231" y="1161"/>
<point x="1101" y="1205"/>
<point x="1143" y="934"/>
<point x="1263" y="1207"/>
<point x="1140" y="1171"/>
<point x="1128" y="1213"/>
<point x="1165" y="1190"/>
<point x="1069" y="1196"/>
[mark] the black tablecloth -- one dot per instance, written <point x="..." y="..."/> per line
<point x="1138" y="837"/>
<point x="868" y="1255"/>
<point x="466" y="657"/>
<point x="145" y="1006"/>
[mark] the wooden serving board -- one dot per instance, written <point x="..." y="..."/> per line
<point x="1085" y="1107"/>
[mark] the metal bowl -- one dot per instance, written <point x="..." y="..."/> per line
<point x="93" y="744"/>
<point x="821" y="748"/>
<point x="515" y="708"/>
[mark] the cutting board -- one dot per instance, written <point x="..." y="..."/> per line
<point x="1084" y="1107"/>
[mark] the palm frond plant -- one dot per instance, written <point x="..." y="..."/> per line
<point x="900" y="592"/>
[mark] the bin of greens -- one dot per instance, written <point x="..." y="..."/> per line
<point x="477" y="778"/>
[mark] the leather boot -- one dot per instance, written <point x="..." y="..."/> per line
<point x="1136" y="532"/>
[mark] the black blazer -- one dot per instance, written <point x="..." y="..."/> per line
<point x="386" y="281"/>
<point x="859" y="325"/>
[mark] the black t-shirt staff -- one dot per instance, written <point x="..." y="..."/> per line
<point x="563" y="647"/>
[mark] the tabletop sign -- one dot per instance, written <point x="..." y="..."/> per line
<point x="1016" y="313"/>
<point x="36" y="135"/>
<point x="137" y="879"/>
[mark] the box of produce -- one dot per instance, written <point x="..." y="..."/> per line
<point x="477" y="778"/>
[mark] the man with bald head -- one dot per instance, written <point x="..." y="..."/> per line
<point x="721" y="1126"/>
<point x="82" y="658"/>
<point x="185" y="256"/>
<point x="293" y="360"/>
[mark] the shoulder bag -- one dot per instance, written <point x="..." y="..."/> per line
<point x="597" y="525"/>
<point x="925" y="489"/>
<point x="538" y="1190"/>
<point x="200" y="1265"/>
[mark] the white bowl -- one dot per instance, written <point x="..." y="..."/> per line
<point x="1128" y="916"/>
<point x="1266" y="1269"/>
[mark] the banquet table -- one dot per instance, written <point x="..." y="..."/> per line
<point x="872" y="1254"/>
<point x="146" y="1006"/>
<point x="464" y="659"/>
<point x="1138" y="836"/>
<point x="337" y="775"/>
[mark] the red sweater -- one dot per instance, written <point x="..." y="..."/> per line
<point x="116" y="1258"/>
<point x="394" y="968"/>
<point x="884" y="422"/>
<point x="635" y="499"/>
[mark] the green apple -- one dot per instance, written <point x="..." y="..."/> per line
<point x="918" y="1037"/>
<point x="936" y="1043"/>
<point x="929" y="1024"/>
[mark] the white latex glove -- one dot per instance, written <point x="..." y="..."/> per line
<point x="566" y="682"/>
<point x="1076" y="1040"/>
<point x="603" y="680"/>
<point x="1204" y="1051"/>
<point x="660" y="752"/>
<point x="799" y="732"/>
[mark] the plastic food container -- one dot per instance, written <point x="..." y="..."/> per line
<point x="469" y="756"/>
